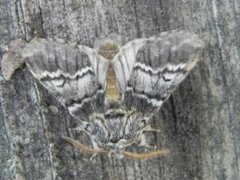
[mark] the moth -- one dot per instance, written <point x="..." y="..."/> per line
<point x="112" y="93"/>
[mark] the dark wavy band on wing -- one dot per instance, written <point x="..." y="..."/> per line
<point x="158" y="72"/>
<point x="70" y="74"/>
<point x="157" y="66"/>
<point x="147" y="89"/>
<point x="85" y="106"/>
<point x="140" y="101"/>
<point x="66" y="79"/>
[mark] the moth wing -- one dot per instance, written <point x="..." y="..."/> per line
<point x="124" y="62"/>
<point x="75" y="76"/>
<point x="149" y="70"/>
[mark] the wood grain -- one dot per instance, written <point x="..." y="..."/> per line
<point x="199" y="124"/>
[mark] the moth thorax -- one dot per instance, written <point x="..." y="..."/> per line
<point x="109" y="50"/>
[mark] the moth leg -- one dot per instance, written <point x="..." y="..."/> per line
<point x="78" y="129"/>
<point x="94" y="144"/>
<point x="144" y="142"/>
<point x="148" y="128"/>
<point x="95" y="147"/>
<point x="115" y="153"/>
<point x="93" y="157"/>
<point x="81" y="127"/>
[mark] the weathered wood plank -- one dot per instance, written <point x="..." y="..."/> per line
<point x="200" y="123"/>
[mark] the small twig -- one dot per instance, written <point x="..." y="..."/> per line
<point x="130" y="155"/>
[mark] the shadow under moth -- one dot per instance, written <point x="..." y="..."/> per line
<point x="112" y="101"/>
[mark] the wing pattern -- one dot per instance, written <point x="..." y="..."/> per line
<point x="154" y="69"/>
<point x="147" y="70"/>
<point x="71" y="74"/>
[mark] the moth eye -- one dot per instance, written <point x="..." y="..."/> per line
<point x="144" y="122"/>
<point x="87" y="127"/>
<point x="127" y="136"/>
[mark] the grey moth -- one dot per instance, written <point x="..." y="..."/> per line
<point x="146" y="72"/>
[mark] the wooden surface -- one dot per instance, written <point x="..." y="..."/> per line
<point x="200" y="123"/>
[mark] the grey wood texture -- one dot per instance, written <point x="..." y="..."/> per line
<point x="200" y="123"/>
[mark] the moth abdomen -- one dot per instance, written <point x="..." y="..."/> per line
<point x="112" y="91"/>
<point x="109" y="50"/>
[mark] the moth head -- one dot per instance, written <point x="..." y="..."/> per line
<point x="117" y="129"/>
<point x="108" y="50"/>
<point x="108" y="46"/>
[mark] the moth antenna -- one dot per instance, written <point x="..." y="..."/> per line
<point x="83" y="147"/>
<point x="130" y="155"/>
<point x="144" y="156"/>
